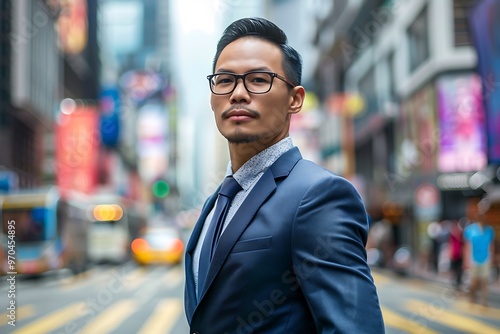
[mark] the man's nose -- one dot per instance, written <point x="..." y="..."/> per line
<point x="240" y="92"/>
<point x="240" y="84"/>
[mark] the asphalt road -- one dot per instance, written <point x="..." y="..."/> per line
<point x="129" y="299"/>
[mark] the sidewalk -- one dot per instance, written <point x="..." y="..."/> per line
<point x="446" y="278"/>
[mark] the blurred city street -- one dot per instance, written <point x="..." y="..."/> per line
<point x="109" y="150"/>
<point x="412" y="305"/>
<point x="105" y="299"/>
<point x="129" y="299"/>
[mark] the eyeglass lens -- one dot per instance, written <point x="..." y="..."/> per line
<point x="255" y="82"/>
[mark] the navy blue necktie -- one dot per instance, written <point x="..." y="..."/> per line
<point x="226" y="193"/>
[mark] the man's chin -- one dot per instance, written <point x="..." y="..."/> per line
<point x="242" y="139"/>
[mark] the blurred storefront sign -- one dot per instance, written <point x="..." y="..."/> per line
<point x="427" y="202"/>
<point x="347" y="106"/>
<point x="304" y="128"/>
<point x="485" y="28"/>
<point x="417" y="133"/>
<point x="462" y="139"/>
<point x="141" y="85"/>
<point x="109" y="107"/>
<point x="392" y="211"/>
<point x="72" y="26"/>
<point x="77" y="148"/>
<point x="350" y="104"/>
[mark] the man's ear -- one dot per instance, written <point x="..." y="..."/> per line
<point x="297" y="99"/>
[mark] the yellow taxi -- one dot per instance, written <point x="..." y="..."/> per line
<point x="158" y="245"/>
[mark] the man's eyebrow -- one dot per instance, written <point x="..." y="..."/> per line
<point x="266" y="69"/>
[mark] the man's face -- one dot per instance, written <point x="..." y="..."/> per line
<point x="243" y="117"/>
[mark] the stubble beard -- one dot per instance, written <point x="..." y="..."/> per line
<point x="240" y="138"/>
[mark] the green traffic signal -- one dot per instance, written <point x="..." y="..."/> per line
<point x="161" y="188"/>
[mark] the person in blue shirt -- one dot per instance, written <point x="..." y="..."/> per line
<point x="480" y="237"/>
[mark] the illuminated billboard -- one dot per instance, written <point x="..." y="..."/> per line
<point x="152" y="141"/>
<point x="462" y="138"/>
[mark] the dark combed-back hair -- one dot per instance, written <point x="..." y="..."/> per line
<point x="265" y="29"/>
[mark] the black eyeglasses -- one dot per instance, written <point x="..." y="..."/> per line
<point x="257" y="82"/>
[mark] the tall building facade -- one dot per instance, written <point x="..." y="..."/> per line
<point x="417" y="148"/>
<point x="138" y="100"/>
<point x="41" y="63"/>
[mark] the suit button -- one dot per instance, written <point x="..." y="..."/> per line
<point x="195" y="332"/>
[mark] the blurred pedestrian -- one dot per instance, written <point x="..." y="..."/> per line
<point x="280" y="247"/>
<point x="480" y="237"/>
<point x="456" y="244"/>
<point x="380" y="238"/>
<point x="435" y="233"/>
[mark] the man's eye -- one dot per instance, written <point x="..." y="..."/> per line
<point x="259" y="78"/>
<point x="223" y="80"/>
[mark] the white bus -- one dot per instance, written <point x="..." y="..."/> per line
<point x="112" y="228"/>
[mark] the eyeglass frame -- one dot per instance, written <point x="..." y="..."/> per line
<point x="243" y="77"/>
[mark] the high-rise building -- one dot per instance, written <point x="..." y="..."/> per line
<point x="418" y="148"/>
<point x="42" y="61"/>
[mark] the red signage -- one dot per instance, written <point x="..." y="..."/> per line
<point x="77" y="150"/>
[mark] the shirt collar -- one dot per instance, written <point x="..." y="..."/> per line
<point x="259" y="163"/>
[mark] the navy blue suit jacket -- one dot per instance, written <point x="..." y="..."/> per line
<point x="292" y="259"/>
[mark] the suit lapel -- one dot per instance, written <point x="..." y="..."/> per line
<point x="239" y="222"/>
<point x="190" y="290"/>
<point x="193" y="240"/>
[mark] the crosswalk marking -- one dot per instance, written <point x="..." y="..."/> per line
<point x="108" y="320"/>
<point x="135" y="278"/>
<point x="147" y="291"/>
<point x="392" y="319"/>
<point x="22" y="312"/>
<point x="91" y="276"/>
<point x="153" y="313"/>
<point x="164" y="317"/>
<point x="54" y="320"/>
<point x="450" y="319"/>
<point x="168" y="311"/>
<point x="478" y="310"/>
<point x="76" y="281"/>
<point x="173" y="277"/>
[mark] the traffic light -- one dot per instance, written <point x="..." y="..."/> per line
<point x="161" y="188"/>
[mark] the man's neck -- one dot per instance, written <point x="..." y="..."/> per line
<point x="241" y="153"/>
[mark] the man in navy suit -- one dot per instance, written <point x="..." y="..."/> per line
<point x="291" y="256"/>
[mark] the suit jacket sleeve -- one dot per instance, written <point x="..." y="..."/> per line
<point x="329" y="258"/>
